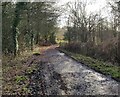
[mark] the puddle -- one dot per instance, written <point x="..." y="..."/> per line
<point x="62" y="54"/>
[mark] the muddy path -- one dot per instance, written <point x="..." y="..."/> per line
<point x="58" y="74"/>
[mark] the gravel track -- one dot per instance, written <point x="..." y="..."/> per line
<point x="58" y="74"/>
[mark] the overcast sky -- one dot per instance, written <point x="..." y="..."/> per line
<point x="94" y="6"/>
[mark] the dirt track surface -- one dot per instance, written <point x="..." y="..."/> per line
<point x="58" y="74"/>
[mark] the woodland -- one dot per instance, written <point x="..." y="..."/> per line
<point x="31" y="33"/>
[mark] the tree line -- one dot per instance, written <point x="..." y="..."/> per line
<point x="25" y="24"/>
<point x="92" y="34"/>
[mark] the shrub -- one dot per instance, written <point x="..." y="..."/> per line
<point x="106" y="51"/>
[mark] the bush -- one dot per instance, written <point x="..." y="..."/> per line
<point x="73" y="47"/>
<point x="106" y="51"/>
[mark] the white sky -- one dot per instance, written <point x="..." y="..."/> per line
<point x="95" y="6"/>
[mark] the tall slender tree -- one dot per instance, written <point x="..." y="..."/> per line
<point x="18" y="9"/>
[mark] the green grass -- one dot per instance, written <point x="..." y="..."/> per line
<point x="100" y="66"/>
<point x="19" y="79"/>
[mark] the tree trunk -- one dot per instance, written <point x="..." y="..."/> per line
<point x="14" y="34"/>
<point x="31" y="41"/>
<point x="16" y="20"/>
<point x="118" y="48"/>
<point x="14" y="41"/>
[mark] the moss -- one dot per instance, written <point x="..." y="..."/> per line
<point x="100" y="66"/>
<point x="25" y="89"/>
<point x="19" y="79"/>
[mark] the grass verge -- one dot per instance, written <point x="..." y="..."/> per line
<point x="99" y="66"/>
